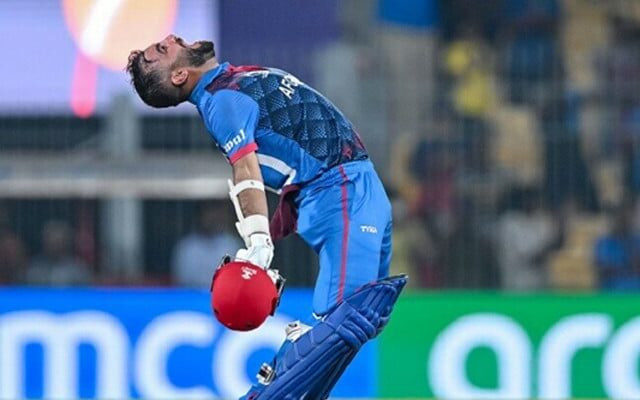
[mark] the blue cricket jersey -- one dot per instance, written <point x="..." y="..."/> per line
<point x="296" y="132"/>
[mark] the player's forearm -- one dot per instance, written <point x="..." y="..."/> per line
<point x="252" y="201"/>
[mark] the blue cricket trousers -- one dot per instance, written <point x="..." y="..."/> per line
<point x="345" y="216"/>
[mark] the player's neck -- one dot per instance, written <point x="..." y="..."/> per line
<point x="196" y="74"/>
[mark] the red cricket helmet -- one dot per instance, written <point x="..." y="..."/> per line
<point x="243" y="295"/>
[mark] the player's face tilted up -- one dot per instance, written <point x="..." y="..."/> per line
<point x="162" y="74"/>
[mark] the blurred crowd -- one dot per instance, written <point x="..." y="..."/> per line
<point x="524" y="175"/>
<point x="507" y="133"/>
<point x="63" y="256"/>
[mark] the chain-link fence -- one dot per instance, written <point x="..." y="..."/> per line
<point x="506" y="133"/>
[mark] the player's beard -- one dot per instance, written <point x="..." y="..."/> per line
<point x="195" y="57"/>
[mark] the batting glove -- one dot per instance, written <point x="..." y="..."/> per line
<point x="259" y="252"/>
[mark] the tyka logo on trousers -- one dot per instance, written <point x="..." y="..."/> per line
<point x="368" y="229"/>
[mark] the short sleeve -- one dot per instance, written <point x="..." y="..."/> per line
<point x="231" y="118"/>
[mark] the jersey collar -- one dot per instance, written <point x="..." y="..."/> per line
<point x="205" y="79"/>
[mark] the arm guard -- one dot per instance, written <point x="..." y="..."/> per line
<point x="251" y="224"/>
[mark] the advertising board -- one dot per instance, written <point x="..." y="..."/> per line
<point x="141" y="343"/>
<point x="492" y="346"/>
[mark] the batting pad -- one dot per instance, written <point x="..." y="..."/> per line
<point x="310" y="367"/>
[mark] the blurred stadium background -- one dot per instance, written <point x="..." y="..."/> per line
<point x="508" y="136"/>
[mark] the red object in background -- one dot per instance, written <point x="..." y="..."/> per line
<point x="105" y="32"/>
<point x="243" y="295"/>
<point x="83" y="86"/>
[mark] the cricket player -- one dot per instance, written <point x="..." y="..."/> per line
<point x="278" y="133"/>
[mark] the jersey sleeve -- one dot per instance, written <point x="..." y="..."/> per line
<point x="231" y="118"/>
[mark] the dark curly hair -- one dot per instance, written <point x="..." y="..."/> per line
<point x="152" y="85"/>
